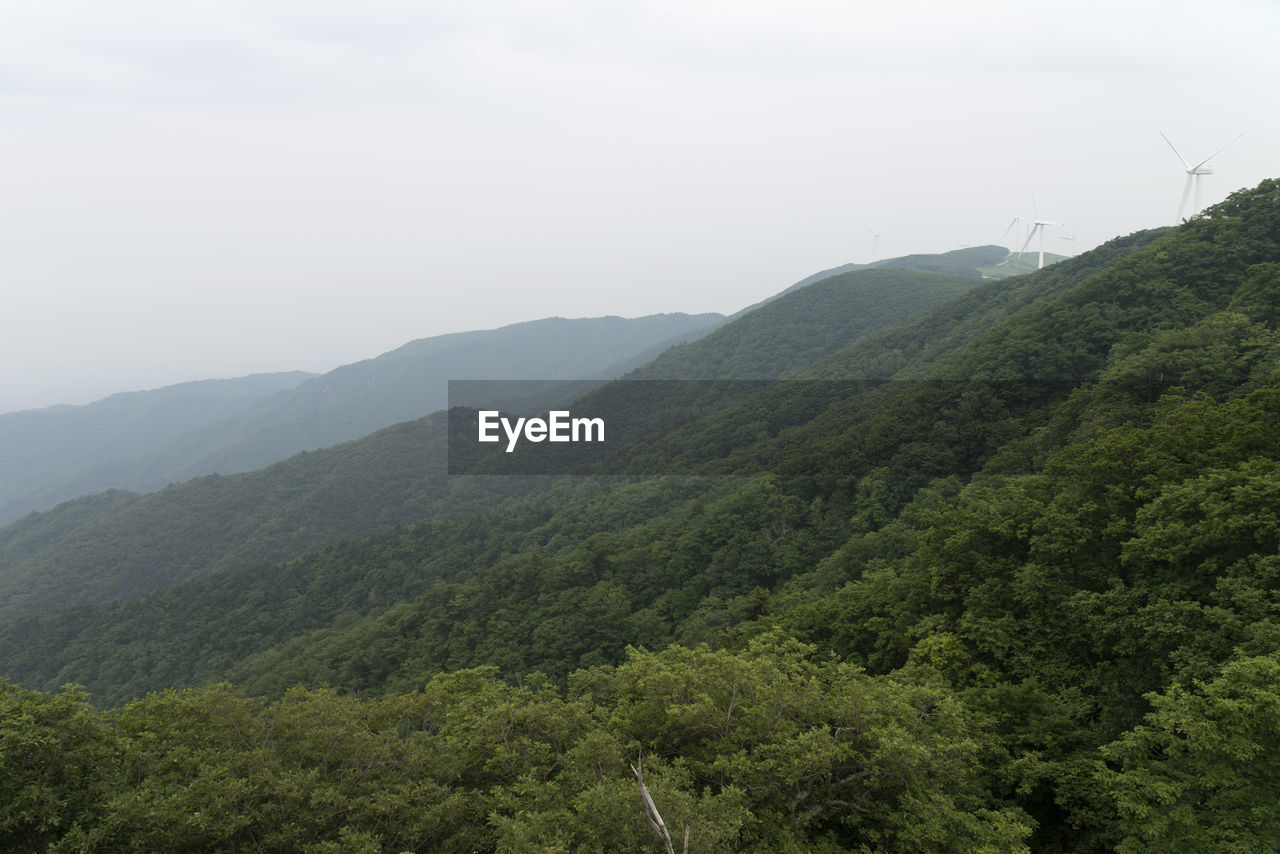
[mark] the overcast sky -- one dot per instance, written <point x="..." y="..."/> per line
<point x="210" y="189"/>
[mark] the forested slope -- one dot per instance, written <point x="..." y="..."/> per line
<point x="1024" y="597"/>
<point x="800" y="326"/>
<point x="120" y="545"/>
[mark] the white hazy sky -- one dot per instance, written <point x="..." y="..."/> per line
<point x="206" y="189"/>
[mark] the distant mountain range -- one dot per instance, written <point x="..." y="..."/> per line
<point x="142" y="441"/>
<point x="50" y="455"/>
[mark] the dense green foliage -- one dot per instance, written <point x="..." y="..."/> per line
<point x="195" y="631"/>
<point x="768" y="749"/>
<point x="995" y="614"/>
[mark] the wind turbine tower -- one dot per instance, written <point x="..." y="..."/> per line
<point x="1195" y="173"/>
<point x="1039" y="226"/>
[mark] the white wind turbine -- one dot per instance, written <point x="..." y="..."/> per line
<point x="1039" y="226"/>
<point x="1195" y="172"/>
<point x="875" y="244"/>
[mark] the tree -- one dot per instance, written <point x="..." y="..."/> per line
<point x="58" y="760"/>
<point x="1200" y="776"/>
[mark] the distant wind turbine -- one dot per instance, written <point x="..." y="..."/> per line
<point x="1072" y="238"/>
<point x="1017" y="235"/>
<point x="1195" y="172"/>
<point x="875" y="244"/>
<point x="1039" y="226"/>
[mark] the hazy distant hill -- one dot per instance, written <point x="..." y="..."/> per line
<point x="42" y="448"/>
<point x="146" y="440"/>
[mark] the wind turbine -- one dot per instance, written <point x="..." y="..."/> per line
<point x="1039" y="226"/>
<point x="875" y="244"/>
<point x="1195" y="172"/>
<point x="1016" y="234"/>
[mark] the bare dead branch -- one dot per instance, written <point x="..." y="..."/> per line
<point x="652" y="816"/>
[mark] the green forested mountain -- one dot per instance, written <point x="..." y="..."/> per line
<point x="120" y="545"/>
<point x="1024" y="597"/>
<point x="815" y="317"/>
<point x="799" y="327"/>
<point x="43" y="452"/>
<point x="146" y="440"/>
<point x="971" y="261"/>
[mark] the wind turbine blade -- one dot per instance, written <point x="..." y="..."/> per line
<point x="1029" y="236"/>
<point x="1176" y="154"/>
<point x="1219" y="151"/>
<point x="1186" y="191"/>
<point x="1016" y="220"/>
